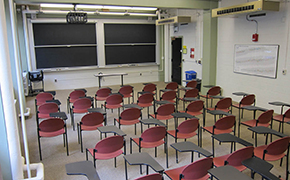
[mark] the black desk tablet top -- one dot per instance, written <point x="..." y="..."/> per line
<point x="240" y="93"/>
<point x="54" y="101"/>
<point x="187" y="146"/>
<point x="61" y="115"/>
<point x="182" y="115"/>
<point x="186" y="88"/>
<point x="278" y="103"/>
<point x="132" y="106"/>
<point x="111" y="129"/>
<point x="228" y="173"/>
<point x="163" y="102"/>
<point x="208" y="86"/>
<point x="261" y="167"/>
<point x="143" y="158"/>
<point x="219" y="112"/>
<point x="254" y="108"/>
<point x="85" y="168"/>
<point x="266" y="130"/>
<point x="152" y="121"/>
<point x="190" y="99"/>
<point x="100" y="110"/>
<point x="226" y="137"/>
<point x="217" y="97"/>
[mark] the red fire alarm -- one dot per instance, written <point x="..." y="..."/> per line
<point x="191" y="52"/>
<point x="255" y="37"/>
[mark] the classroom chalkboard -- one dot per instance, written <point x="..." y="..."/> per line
<point x="64" y="45"/>
<point x="257" y="60"/>
<point x="130" y="43"/>
<point x="59" y="45"/>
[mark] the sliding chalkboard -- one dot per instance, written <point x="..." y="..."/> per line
<point x="258" y="60"/>
<point x="64" y="45"/>
<point x="130" y="43"/>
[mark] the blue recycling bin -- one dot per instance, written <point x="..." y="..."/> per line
<point x="190" y="75"/>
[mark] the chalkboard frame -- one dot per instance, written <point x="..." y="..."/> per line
<point x="256" y="64"/>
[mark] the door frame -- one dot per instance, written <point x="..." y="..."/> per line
<point x="170" y="55"/>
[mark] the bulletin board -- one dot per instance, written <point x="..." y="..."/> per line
<point x="257" y="60"/>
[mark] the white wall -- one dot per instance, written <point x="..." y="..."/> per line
<point x="273" y="29"/>
<point x="85" y="78"/>
<point x="191" y="38"/>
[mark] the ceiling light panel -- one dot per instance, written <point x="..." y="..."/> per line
<point x="57" y="5"/>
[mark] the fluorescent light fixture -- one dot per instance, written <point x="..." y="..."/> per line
<point x="53" y="12"/>
<point x="64" y="12"/>
<point x="84" y="6"/>
<point x="112" y="13"/>
<point x="142" y="14"/>
<point x="87" y="6"/>
<point x="57" y="5"/>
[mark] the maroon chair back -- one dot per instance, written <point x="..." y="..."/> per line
<point x="287" y="114"/>
<point x="192" y="84"/>
<point x="168" y="96"/>
<point x="146" y="98"/>
<point x="153" y="134"/>
<point x="92" y="119"/>
<point x="43" y="97"/>
<point x="49" y="107"/>
<point x="248" y="100"/>
<point x="82" y="103"/>
<point x="188" y="126"/>
<point x="226" y="122"/>
<point x="51" y="125"/>
<point x="77" y="94"/>
<point x="236" y="158"/>
<point x="278" y="147"/>
<point x="191" y="93"/>
<point x="224" y="103"/>
<point x="126" y="90"/>
<point x="172" y="85"/>
<point x="195" y="106"/>
<point x="155" y="176"/>
<point x="197" y="169"/>
<point x="110" y="144"/>
<point x="114" y="99"/>
<point x="131" y="114"/>
<point x="149" y="88"/>
<point x="265" y="117"/>
<point x="104" y="92"/>
<point x="165" y="109"/>
<point x="213" y="91"/>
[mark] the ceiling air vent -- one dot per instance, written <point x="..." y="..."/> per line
<point x="254" y="6"/>
<point x="174" y="20"/>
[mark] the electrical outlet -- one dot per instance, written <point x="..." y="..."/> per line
<point x="284" y="71"/>
<point x="140" y="74"/>
<point x="55" y="80"/>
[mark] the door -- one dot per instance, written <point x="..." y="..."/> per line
<point x="176" y="49"/>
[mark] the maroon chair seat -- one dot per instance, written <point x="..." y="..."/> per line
<point x="102" y="94"/>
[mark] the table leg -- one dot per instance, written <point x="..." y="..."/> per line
<point x="100" y="81"/>
<point x="176" y="156"/>
<point x="122" y="80"/>
<point x="126" y="175"/>
<point x="212" y="147"/>
<point x="191" y="156"/>
<point x="147" y="170"/>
